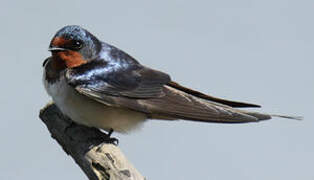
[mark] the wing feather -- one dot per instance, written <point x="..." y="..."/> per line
<point x="210" y="98"/>
<point x="175" y="104"/>
<point x="120" y="81"/>
<point x="132" y="81"/>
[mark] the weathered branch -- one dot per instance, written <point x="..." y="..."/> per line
<point x="89" y="147"/>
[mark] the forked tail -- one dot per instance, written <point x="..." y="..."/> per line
<point x="265" y="116"/>
<point x="288" y="117"/>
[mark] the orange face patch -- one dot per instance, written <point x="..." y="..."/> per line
<point x="59" y="42"/>
<point x="71" y="58"/>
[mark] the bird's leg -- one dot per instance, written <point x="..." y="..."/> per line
<point x="110" y="132"/>
<point x="112" y="140"/>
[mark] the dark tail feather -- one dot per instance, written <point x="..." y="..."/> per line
<point x="210" y="98"/>
<point x="264" y="116"/>
<point x="288" y="117"/>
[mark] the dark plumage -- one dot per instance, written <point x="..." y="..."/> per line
<point x="106" y="75"/>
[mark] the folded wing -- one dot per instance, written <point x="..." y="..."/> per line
<point x="132" y="81"/>
<point x="149" y="91"/>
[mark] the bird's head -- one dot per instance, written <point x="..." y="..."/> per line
<point x="74" y="46"/>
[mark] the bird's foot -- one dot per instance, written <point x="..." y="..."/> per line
<point x="112" y="140"/>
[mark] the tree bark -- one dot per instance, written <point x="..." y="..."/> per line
<point x="89" y="147"/>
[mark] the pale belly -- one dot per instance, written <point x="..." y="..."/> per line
<point x="86" y="111"/>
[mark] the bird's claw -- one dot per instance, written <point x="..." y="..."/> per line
<point x="113" y="141"/>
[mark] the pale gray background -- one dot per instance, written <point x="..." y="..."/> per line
<point x="251" y="50"/>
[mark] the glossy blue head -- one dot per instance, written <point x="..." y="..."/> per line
<point x="72" y="42"/>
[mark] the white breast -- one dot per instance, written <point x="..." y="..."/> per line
<point x="86" y="111"/>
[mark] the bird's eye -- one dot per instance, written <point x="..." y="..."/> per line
<point x="76" y="45"/>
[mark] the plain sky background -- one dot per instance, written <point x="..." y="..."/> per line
<point x="259" y="51"/>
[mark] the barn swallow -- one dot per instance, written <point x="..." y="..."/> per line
<point x="98" y="85"/>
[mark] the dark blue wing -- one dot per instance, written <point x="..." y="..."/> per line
<point x="118" y="80"/>
<point x="128" y="79"/>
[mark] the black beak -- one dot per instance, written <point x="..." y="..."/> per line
<point x="56" y="49"/>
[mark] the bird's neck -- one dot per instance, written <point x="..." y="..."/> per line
<point x="53" y="69"/>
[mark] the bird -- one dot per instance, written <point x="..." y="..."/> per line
<point x="98" y="85"/>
